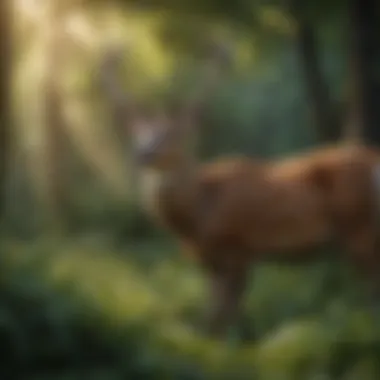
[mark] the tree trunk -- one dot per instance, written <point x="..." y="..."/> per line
<point x="56" y="169"/>
<point x="364" y="60"/>
<point x="5" y="102"/>
<point x="324" y="117"/>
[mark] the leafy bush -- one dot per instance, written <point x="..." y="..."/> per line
<point x="83" y="312"/>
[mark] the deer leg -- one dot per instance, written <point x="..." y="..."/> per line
<point x="363" y="244"/>
<point x="227" y="289"/>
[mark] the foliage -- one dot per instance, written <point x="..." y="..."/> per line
<point x="78" y="310"/>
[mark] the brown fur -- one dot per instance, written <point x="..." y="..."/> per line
<point x="233" y="212"/>
<point x="274" y="205"/>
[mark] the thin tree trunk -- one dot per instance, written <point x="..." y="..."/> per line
<point x="5" y="102"/>
<point x="364" y="60"/>
<point x="317" y="89"/>
<point x="56" y="170"/>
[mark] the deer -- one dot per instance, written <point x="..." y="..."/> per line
<point x="234" y="212"/>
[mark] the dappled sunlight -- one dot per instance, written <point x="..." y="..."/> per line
<point x="31" y="9"/>
<point x="80" y="28"/>
<point x="85" y="45"/>
<point x="98" y="148"/>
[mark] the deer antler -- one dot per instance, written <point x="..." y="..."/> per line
<point x="217" y="59"/>
<point x="123" y="106"/>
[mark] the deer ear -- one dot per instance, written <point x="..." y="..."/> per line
<point x="174" y="108"/>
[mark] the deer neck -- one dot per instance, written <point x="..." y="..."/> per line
<point x="173" y="183"/>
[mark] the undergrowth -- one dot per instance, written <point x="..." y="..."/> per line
<point x="82" y="311"/>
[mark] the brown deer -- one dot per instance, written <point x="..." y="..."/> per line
<point x="234" y="212"/>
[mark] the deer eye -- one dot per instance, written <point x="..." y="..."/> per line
<point x="150" y="139"/>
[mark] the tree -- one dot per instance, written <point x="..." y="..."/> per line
<point x="364" y="58"/>
<point x="5" y="106"/>
<point x="317" y="89"/>
<point x="56" y="170"/>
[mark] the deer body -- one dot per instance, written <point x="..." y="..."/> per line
<point x="234" y="212"/>
<point x="259" y="207"/>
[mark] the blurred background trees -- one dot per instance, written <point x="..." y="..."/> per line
<point x="90" y="288"/>
<point x="5" y="104"/>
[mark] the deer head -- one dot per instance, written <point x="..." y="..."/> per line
<point x="161" y="137"/>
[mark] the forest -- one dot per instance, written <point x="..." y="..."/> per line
<point x="91" y="286"/>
